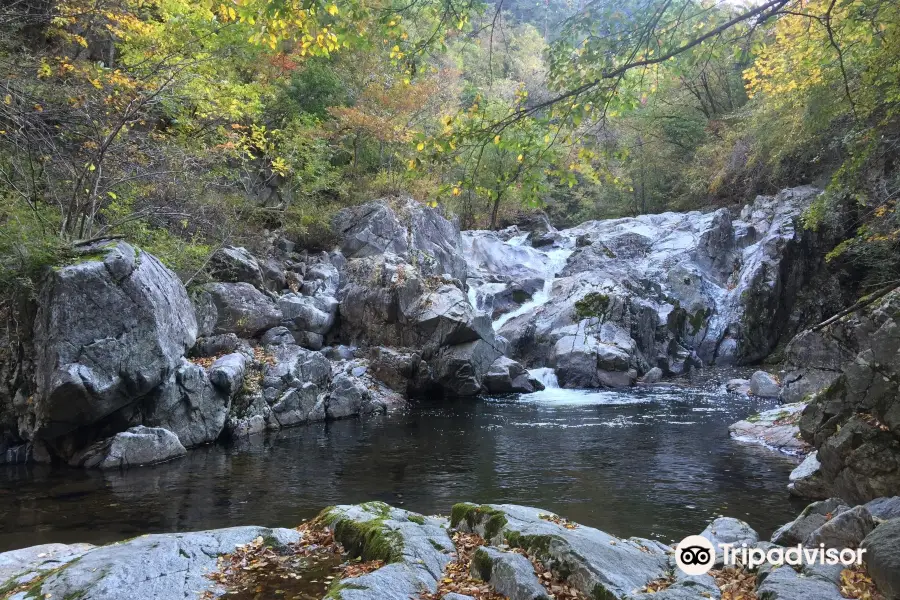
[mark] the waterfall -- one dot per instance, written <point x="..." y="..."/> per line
<point x="545" y="375"/>
<point x="555" y="262"/>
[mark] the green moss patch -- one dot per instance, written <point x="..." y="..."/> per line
<point x="367" y="540"/>
<point x="493" y="520"/>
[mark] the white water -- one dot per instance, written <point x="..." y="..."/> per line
<point x="545" y="375"/>
<point x="556" y="261"/>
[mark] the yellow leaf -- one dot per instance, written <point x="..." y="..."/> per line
<point x="496" y="139"/>
<point x="520" y="158"/>
<point x="421" y="146"/>
<point x="332" y="10"/>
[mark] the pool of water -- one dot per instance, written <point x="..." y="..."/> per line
<point x="653" y="463"/>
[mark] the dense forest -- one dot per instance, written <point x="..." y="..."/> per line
<point x="186" y="126"/>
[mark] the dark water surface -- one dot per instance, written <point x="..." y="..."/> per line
<point x="652" y="463"/>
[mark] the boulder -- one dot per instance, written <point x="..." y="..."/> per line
<point x="582" y="360"/>
<point x="277" y="336"/>
<point x="885" y="508"/>
<point x="305" y="313"/>
<point x="506" y="376"/>
<point x="727" y="530"/>
<point x="290" y="366"/>
<point x="509" y="573"/>
<point x="460" y="369"/>
<point x="597" y="564"/>
<point x="138" y="446"/>
<point x="417" y="549"/>
<point x="346" y="397"/>
<point x="845" y="530"/>
<point x="216" y="345"/>
<point x="882" y="558"/>
<point x="444" y="317"/>
<point x="654" y="375"/>
<point x="237" y="308"/>
<point x="109" y="329"/>
<point x="807" y="480"/>
<point x="369" y="230"/>
<point x="813" y="516"/>
<point x="688" y="288"/>
<point x="236" y="265"/>
<point x="150" y="566"/>
<point x="412" y="231"/>
<point x="296" y="406"/>
<point x="764" y="385"/>
<point x="189" y="405"/>
<point x="784" y="583"/>
<point x="227" y="373"/>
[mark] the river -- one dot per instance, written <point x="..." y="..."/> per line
<point x="653" y="462"/>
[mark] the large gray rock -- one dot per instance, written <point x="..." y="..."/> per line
<point x="727" y="530"/>
<point x="810" y="519"/>
<point x="236" y="308"/>
<point x="417" y="549"/>
<point x="855" y="422"/>
<point x="236" y="265"/>
<point x="415" y="232"/>
<point x="227" y="373"/>
<point x="444" y="317"/>
<point x="509" y="573"/>
<point x="460" y="370"/>
<point x="109" y="330"/>
<point x="764" y="385"/>
<point x="189" y="405"/>
<point x="346" y="398"/>
<point x="506" y="376"/>
<point x="784" y="583"/>
<point x="885" y="508"/>
<point x="846" y="530"/>
<point x="151" y="567"/>
<point x="369" y="230"/>
<point x="138" y="446"/>
<point x="596" y="563"/>
<point x="306" y="313"/>
<point x="882" y="558"/>
<point x="807" y="480"/>
<point x="594" y="356"/>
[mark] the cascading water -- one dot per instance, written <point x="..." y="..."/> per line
<point x="555" y="261"/>
<point x="546" y="376"/>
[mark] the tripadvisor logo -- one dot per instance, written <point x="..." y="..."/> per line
<point x="696" y="555"/>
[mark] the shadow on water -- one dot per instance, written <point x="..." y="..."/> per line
<point x="652" y="463"/>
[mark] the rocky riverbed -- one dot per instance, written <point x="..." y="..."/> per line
<point x="488" y="551"/>
<point x="119" y="365"/>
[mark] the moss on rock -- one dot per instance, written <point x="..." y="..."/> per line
<point x="492" y="519"/>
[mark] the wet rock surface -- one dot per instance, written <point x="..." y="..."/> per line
<point x="777" y="428"/>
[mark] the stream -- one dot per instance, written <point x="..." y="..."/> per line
<point x="652" y="462"/>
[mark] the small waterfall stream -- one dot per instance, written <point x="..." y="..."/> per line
<point x="556" y="260"/>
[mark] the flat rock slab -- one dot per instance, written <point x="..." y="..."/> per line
<point x="417" y="548"/>
<point x="776" y="428"/>
<point x="150" y="567"/>
<point x="598" y="564"/>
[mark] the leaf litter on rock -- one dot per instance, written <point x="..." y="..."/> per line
<point x="303" y="571"/>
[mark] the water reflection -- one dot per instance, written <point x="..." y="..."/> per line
<point x="651" y="463"/>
